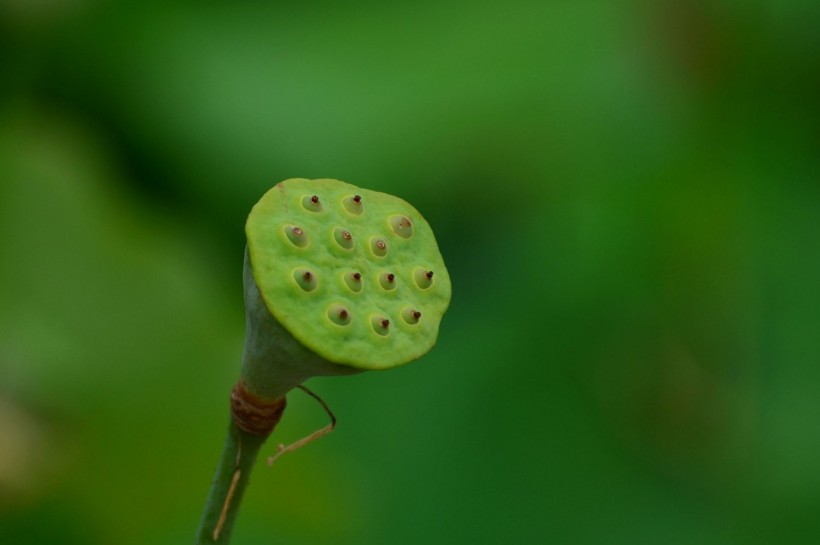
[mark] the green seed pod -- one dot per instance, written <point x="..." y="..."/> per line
<point x="350" y="289"/>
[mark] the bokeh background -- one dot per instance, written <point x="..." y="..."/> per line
<point x="626" y="194"/>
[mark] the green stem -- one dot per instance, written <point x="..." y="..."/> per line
<point x="238" y="455"/>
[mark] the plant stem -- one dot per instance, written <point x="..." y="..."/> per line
<point x="231" y="479"/>
<point x="253" y="418"/>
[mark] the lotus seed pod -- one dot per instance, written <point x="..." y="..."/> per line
<point x="350" y="289"/>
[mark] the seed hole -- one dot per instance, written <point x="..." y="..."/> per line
<point x="296" y="236"/>
<point x="402" y="226"/>
<point x="343" y="238"/>
<point x="423" y="278"/>
<point x="354" y="204"/>
<point x="312" y="203"/>
<point x="306" y="279"/>
<point x="338" y="314"/>
<point x="353" y="279"/>
<point x="381" y="324"/>
<point x="378" y="247"/>
<point x="411" y="315"/>
<point x="388" y="281"/>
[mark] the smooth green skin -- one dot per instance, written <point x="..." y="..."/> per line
<point x="273" y="361"/>
<point x="304" y="314"/>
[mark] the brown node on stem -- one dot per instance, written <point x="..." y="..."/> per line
<point x="253" y="414"/>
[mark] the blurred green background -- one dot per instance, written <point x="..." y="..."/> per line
<point x="626" y="195"/>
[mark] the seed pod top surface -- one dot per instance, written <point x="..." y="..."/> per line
<point x="354" y="275"/>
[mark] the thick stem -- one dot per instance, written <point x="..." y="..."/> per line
<point x="252" y="420"/>
<point x="238" y="456"/>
